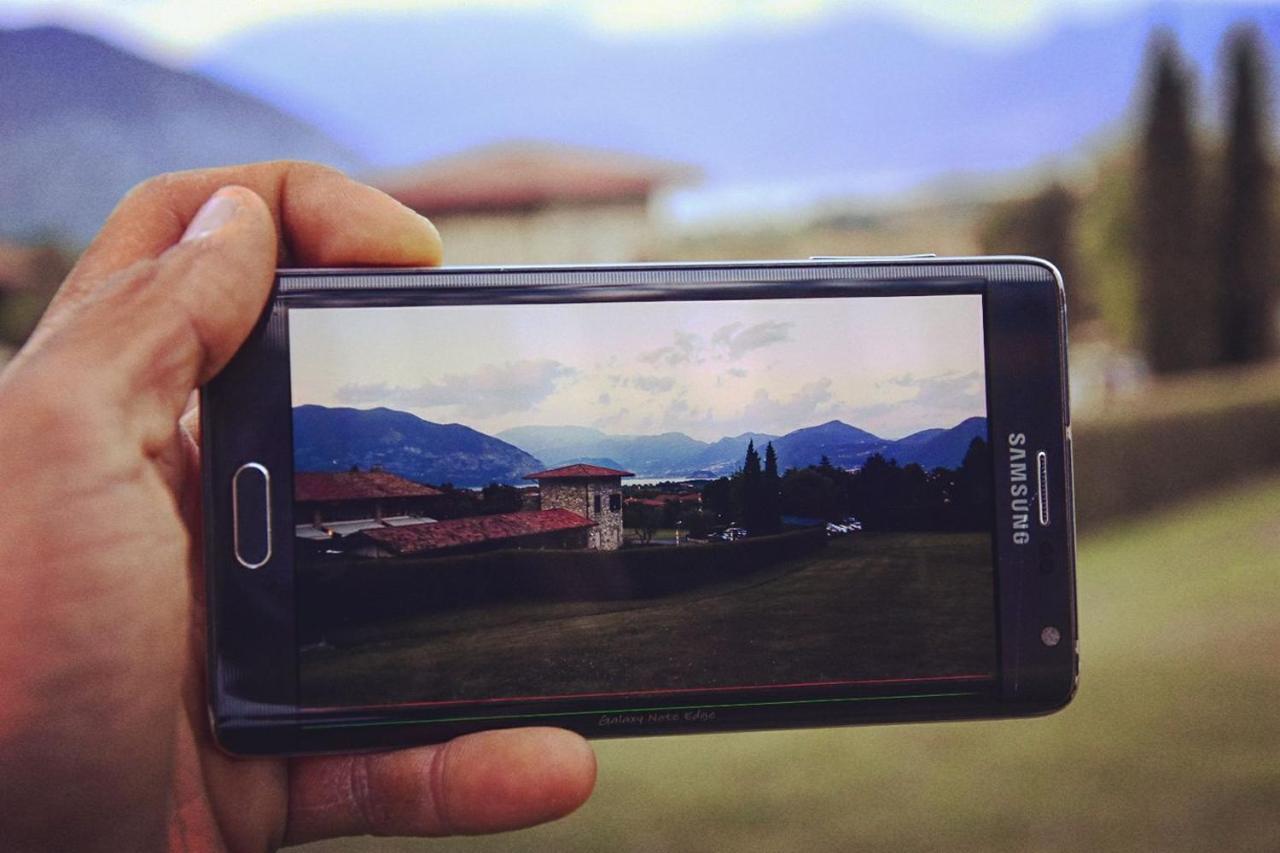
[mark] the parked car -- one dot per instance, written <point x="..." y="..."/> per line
<point x="732" y="534"/>
<point x="853" y="524"/>
<point x="834" y="529"/>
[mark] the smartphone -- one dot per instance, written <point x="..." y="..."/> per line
<point x="639" y="499"/>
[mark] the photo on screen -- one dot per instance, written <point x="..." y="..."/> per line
<point x="500" y="502"/>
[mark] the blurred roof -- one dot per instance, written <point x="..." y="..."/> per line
<point x="578" y="471"/>
<point x="524" y="175"/>
<point x="356" y="485"/>
<point x="455" y="532"/>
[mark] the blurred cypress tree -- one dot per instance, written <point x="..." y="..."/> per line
<point x="1247" y="274"/>
<point x="1178" y="308"/>
<point x="1042" y="225"/>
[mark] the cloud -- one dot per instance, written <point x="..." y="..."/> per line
<point x="721" y="336"/>
<point x="653" y="384"/>
<point x="612" y="419"/>
<point x="684" y="348"/>
<point x="950" y="391"/>
<point x="739" y="372"/>
<point x="739" y="341"/>
<point x="604" y="399"/>
<point x="931" y="401"/>
<point x="644" y="382"/>
<point x="810" y="405"/>
<point x="492" y="389"/>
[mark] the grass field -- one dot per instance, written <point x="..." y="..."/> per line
<point x="869" y="606"/>
<point x="1172" y="744"/>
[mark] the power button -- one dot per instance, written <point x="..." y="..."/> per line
<point x="251" y="514"/>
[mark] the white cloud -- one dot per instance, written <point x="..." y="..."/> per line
<point x="812" y="404"/>
<point x="492" y="389"/>
<point x="685" y="347"/>
<point x="739" y="341"/>
<point x="653" y="384"/>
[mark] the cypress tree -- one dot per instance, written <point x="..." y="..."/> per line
<point x="1042" y="225"/>
<point x="1247" y="273"/>
<point x="771" y="490"/>
<point x="1178" y="305"/>
<point x="751" y="488"/>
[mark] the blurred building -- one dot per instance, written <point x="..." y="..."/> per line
<point x="524" y="202"/>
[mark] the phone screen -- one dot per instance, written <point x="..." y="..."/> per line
<point x="518" y="502"/>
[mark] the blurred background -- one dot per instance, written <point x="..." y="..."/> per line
<point x="1130" y="142"/>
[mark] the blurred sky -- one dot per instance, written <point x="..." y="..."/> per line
<point x="182" y="29"/>
<point x="709" y="370"/>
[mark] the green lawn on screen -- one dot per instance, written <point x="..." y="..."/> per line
<point x="875" y="605"/>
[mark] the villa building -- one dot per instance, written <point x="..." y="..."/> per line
<point x="591" y="491"/>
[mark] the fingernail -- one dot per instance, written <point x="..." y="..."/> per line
<point x="213" y="214"/>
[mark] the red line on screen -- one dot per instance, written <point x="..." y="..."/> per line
<point x="931" y="679"/>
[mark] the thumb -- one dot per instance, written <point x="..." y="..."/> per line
<point x="152" y="332"/>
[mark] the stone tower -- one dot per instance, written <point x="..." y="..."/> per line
<point x="591" y="491"/>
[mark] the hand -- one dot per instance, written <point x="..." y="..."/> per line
<point x="104" y="740"/>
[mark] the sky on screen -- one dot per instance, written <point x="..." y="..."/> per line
<point x="889" y="365"/>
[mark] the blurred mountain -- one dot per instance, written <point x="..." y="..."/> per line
<point x="82" y="121"/>
<point x="857" y="95"/>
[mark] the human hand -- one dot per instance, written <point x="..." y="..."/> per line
<point x="104" y="739"/>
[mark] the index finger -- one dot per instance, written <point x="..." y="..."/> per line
<point x="324" y="219"/>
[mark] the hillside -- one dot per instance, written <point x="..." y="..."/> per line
<point x="335" y="439"/>
<point x="678" y="455"/>
<point x="82" y="121"/>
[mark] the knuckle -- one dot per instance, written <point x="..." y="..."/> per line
<point x="154" y="190"/>
<point x="309" y="169"/>
<point x="363" y="801"/>
<point x="136" y="277"/>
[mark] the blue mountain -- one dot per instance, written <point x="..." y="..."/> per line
<point x="677" y="455"/>
<point x="335" y="439"/>
<point x="943" y="448"/>
<point x="845" y="446"/>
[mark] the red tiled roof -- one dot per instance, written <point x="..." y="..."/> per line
<point x="356" y="485"/>
<point x="521" y="175"/>
<point x="578" y="471"/>
<point x="416" y="538"/>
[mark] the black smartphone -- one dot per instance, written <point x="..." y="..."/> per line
<point x="639" y="499"/>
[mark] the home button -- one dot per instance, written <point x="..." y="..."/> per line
<point x="251" y="514"/>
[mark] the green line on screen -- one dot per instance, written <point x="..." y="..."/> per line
<point x="544" y="714"/>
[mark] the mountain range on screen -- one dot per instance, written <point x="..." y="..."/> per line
<point x="336" y="439"/>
